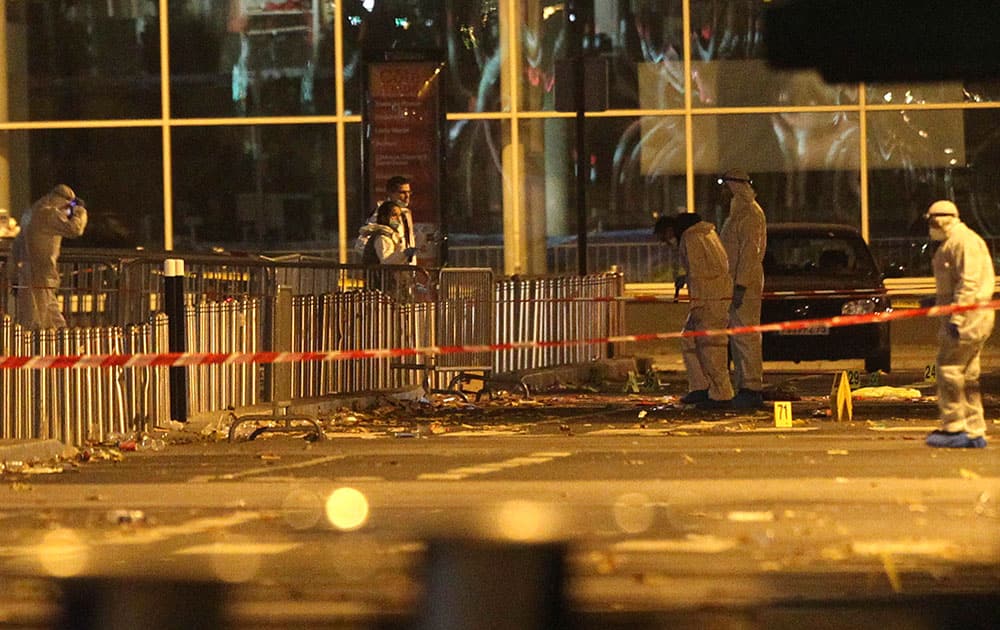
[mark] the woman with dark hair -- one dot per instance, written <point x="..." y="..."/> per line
<point x="384" y="246"/>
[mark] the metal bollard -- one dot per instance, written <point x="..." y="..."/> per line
<point x="173" y="290"/>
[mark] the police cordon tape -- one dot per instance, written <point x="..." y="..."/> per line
<point x="181" y="359"/>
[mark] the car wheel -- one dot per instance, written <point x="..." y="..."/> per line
<point x="881" y="361"/>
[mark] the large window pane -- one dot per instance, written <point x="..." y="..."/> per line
<point x="371" y="28"/>
<point x="474" y="53"/>
<point x="474" y="193"/>
<point x="804" y="166"/>
<point x="933" y="92"/>
<point x="639" y="44"/>
<point x="118" y="173"/>
<point x="917" y="157"/>
<point x="728" y="67"/>
<point x="244" y="58"/>
<point x="254" y="188"/>
<point x="82" y="60"/>
<point x="636" y="172"/>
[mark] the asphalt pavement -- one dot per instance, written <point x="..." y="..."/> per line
<point x="645" y="513"/>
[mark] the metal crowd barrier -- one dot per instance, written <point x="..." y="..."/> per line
<point x="551" y="309"/>
<point x="251" y="304"/>
<point x="461" y="313"/>
<point x="77" y="405"/>
<point x="232" y="325"/>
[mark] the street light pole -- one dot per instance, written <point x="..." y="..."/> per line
<point x="576" y="23"/>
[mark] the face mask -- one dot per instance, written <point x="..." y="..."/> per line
<point x="937" y="234"/>
<point x="394" y="224"/>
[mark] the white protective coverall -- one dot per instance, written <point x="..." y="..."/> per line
<point x="963" y="274"/>
<point x="386" y="245"/>
<point x="35" y="255"/>
<point x="744" y="235"/>
<point x="704" y="259"/>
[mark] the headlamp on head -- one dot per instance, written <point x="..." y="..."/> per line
<point x="721" y="181"/>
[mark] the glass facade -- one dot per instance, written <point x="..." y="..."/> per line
<point x="237" y="125"/>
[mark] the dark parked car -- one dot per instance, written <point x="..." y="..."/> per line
<point x="815" y="271"/>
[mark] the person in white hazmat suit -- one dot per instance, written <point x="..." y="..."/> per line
<point x="963" y="274"/>
<point x="35" y="254"/>
<point x="706" y="267"/>
<point x="744" y="235"/>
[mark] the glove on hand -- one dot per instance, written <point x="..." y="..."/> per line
<point x="927" y="302"/>
<point x="739" y="291"/>
<point x="410" y="251"/>
<point x="952" y="329"/>
<point x="680" y="282"/>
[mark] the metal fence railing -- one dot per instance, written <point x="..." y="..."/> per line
<point x="115" y="305"/>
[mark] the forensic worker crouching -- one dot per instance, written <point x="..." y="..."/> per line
<point x="35" y="253"/>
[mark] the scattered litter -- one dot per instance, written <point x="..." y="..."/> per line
<point x="42" y="470"/>
<point x="692" y="543"/>
<point x="940" y="548"/>
<point x="968" y="474"/>
<point x="890" y="571"/>
<point x="127" y="517"/>
<point x="887" y="392"/>
<point x="751" y="517"/>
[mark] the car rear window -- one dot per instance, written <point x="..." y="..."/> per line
<point x="826" y="255"/>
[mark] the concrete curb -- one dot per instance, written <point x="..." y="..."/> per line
<point x="32" y="450"/>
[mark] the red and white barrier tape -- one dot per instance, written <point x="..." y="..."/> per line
<point x="176" y="359"/>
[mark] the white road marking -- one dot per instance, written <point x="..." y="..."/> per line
<point x="464" y="472"/>
<point x="690" y="544"/>
<point x="237" y="549"/>
<point x="265" y="470"/>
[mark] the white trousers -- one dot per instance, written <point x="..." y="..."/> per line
<point x="959" y="400"/>
<point x="705" y="358"/>
<point x="748" y="363"/>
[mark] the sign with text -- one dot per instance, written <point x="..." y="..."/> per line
<point x="403" y="137"/>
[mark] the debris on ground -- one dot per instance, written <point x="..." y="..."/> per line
<point x="885" y="392"/>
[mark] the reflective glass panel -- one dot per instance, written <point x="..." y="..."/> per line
<point x="474" y="48"/>
<point x="933" y="92"/>
<point x="917" y="157"/>
<point x="804" y="165"/>
<point x="636" y="56"/>
<point x="256" y="188"/>
<point x="117" y="172"/>
<point x="474" y="194"/>
<point x="372" y="27"/>
<point x="251" y="58"/>
<point x="82" y="60"/>
<point x="728" y="67"/>
<point x="636" y="173"/>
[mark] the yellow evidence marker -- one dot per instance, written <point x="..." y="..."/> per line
<point x="841" y="403"/>
<point x="783" y="414"/>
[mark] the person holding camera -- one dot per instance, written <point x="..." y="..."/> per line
<point x="35" y="256"/>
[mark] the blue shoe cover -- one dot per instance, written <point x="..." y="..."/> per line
<point x="947" y="439"/>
